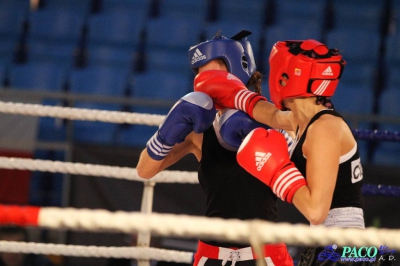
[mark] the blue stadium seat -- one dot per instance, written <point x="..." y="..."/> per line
<point x="358" y="15"/>
<point x="395" y="23"/>
<point x="353" y="99"/>
<point x="42" y="77"/>
<point x="300" y="13"/>
<point x="111" y="56"/>
<point x="61" y="53"/>
<point x="359" y="74"/>
<point x="95" y="132"/>
<point x="97" y="81"/>
<point x="3" y="72"/>
<point x="56" y="25"/>
<point x="116" y="28"/>
<point x="388" y="153"/>
<point x="392" y="52"/>
<point x="173" y="33"/>
<point x="169" y="39"/>
<point x="7" y="48"/>
<point x="250" y="11"/>
<point x="114" y="37"/>
<point x="136" y="135"/>
<point x="166" y="87"/>
<point x="355" y="46"/>
<point x="162" y="85"/>
<point x="132" y="5"/>
<point x="38" y="76"/>
<point x="54" y="35"/>
<point x="184" y="8"/>
<point x="12" y="17"/>
<point x="79" y="6"/>
<point x="393" y="77"/>
<point x="166" y="60"/>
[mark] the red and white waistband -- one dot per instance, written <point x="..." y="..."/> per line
<point x="235" y="254"/>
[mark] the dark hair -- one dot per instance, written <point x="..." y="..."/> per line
<point x="255" y="81"/>
<point x="325" y="101"/>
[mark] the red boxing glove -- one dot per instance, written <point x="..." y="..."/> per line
<point x="263" y="153"/>
<point x="227" y="91"/>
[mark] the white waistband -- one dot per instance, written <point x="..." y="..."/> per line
<point x="240" y="254"/>
<point x="345" y="217"/>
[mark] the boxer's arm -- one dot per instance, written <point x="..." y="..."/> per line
<point x="228" y="91"/>
<point x="147" y="167"/>
<point x="266" y="113"/>
<point x="314" y="201"/>
<point x="176" y="137"/>
<point x="193" y="112"/>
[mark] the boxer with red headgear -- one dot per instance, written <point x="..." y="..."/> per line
<point x="323" y="175"/>
<point x="231" y="192"/>
<point x="303" y="69"/>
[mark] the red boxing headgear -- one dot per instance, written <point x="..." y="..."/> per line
<point x="303" y="69"/>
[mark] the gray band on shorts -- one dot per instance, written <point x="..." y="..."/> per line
<point x="345" y="217"/>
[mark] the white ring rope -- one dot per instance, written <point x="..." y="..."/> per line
<point x="159" y="224"/>
<point x="213" y="228"/>
<point x="167" y="176"/>
<point x="139" y="253"/>
<point x="80" y="113"/>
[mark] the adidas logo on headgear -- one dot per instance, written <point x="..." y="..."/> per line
<point x="261" y="158"/>
<point x="328" y="71"/>
<point x="197" y="56"/>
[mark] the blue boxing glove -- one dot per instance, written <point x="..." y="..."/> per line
<point x="235" y="125"/>
<point x="193" y="112"/>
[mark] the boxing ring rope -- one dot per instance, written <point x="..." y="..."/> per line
<point x="252" y="232"/>
<point x="139" y="253"/>
<point x="166" y="176"/>
<point x="80" y="113"/>
<point x="194" y="226"/>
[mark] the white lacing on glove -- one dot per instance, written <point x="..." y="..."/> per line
<point x="289" y="140"/>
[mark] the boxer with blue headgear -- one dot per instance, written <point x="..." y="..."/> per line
<point x="219" y="171"/>
<point x="194" y="126"/>
<point x="236" y="52"/>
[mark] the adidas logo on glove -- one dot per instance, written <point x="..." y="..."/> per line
<point x="261" y="158"/>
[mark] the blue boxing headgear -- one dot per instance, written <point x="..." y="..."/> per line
<point x="236" y="53"/>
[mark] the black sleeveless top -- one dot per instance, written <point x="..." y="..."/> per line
<point x="231" y="192"/>
<point x="349" y="181"/>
